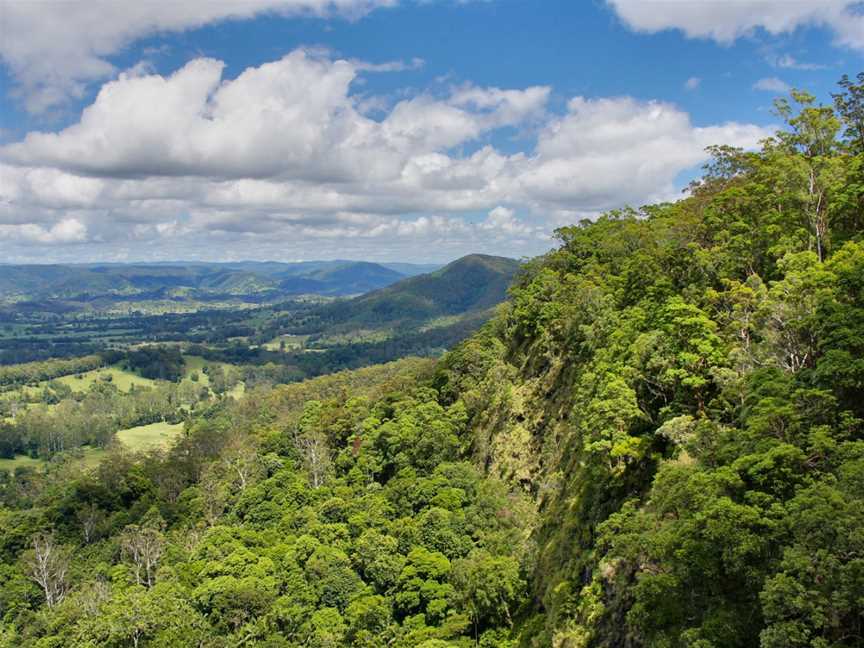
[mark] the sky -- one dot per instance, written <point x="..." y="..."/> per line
<point x="385" y="130"/>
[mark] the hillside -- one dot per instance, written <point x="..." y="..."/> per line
<point x="680" y="388"/>
<point x="342" y="279"/>
<point x="471" y="284"/>
<point x="276" y="313"/>
<point x="657" y="441"/>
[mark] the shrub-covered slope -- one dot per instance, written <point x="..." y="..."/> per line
<point x="682" y="389"/>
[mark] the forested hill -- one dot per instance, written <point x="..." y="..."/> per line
<point x="470" y="285"/>
<point x="657" y="442"/>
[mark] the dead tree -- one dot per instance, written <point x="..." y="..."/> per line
<point x="47" y="567"/>
<point x="312" y="447"/>
<point x="143" y="545"/>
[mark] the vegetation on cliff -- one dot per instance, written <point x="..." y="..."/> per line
<point x="658" y="441"/>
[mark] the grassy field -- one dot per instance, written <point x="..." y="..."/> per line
<point x="292" y="343"/>
<point x="122" y="379"/>
<point x="195" y="364"/>
<point x="357" y="336"/>
<point x="21" y="461"/>
<point x="90" y="457"/>
<point x="147" y="437"/>
<point x="137" y="439"/>
<point x="440" y="322"/>
<point x="83" y="457"/>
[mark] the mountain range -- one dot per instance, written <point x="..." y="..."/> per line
<point x="204" y="281"/>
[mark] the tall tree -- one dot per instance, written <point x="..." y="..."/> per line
<point x="48" y="566"/>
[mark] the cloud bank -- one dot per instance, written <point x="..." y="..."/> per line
<point x="283" y="162"/>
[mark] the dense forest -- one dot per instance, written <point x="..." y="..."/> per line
<point x="657" y="441"/>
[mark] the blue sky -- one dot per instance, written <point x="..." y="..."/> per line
<point x="415" y="131"/>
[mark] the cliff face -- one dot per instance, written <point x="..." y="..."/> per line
<point x="672" y="387"/>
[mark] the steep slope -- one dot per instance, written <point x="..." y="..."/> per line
<point x="681" y="390"/>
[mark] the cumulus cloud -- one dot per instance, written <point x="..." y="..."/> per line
<point x="503" y="220"/>
<point x="772" y="84"/>
<point x="283" y="154"/>
<point x="55" y="47"/>
<point x="68" y="230"/>
<point x="607" y="152"/>
<point x="293" y="117"/>
<point x="726" y="21"/>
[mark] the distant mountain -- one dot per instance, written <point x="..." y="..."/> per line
<point x="176" y="281"/>
<point x="412" y="269"/>
<point x="471" y="284"/>
<point x="350" y="278"/>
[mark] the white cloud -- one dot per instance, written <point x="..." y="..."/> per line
<point x="789" y="62"/>
<point x="289" y="115"/>
<point x="292" y="117"/>
<point x="692" y="83"/>
<point x="772" y="84"/>
<point x="55" y="47"/>
<point x="68" y="230"/>
<point x="607" y="152"/>
<point x="390" y="66"/>
<point x="725" y="21"/>
<point x="503" y="220"/>
<point x="282" y="155"/>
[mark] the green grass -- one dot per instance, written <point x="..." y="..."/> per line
<point x="137" y="439"/>
<point x="193" y="363"/>
<point x="440" y="322"/>
<point x="122" y="379"/>
<point x="21" y="461"/>
<point x="196" y="364"/>
<point x="85" y="457"/>
<point x="90" y="457"/>
<point x="147" y="437"/>
<point x="355" y="336"/>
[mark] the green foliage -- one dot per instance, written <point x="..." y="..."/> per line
<point x="681" y="389"/>
<point x="659" y="441"/>
<point x="227" y="538"/>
